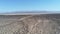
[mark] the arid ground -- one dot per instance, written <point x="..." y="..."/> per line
<point x="30" y="24"/>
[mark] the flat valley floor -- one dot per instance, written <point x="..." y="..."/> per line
<point x="30" y="24"/>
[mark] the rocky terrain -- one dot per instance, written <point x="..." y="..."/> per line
<point x="30" y="24"/>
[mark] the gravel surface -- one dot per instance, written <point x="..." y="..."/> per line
<point x="30" y="24"/>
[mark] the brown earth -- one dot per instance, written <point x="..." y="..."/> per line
<point x="30" y="24"/>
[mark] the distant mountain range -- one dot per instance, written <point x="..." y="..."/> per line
<point x="30" y="12"/>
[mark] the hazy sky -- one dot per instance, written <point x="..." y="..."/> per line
<point x="23" y="5"/>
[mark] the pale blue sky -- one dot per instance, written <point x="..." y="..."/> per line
<point x="23" y="5"/>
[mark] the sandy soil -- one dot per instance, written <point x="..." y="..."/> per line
<point x="30" y="24"/>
